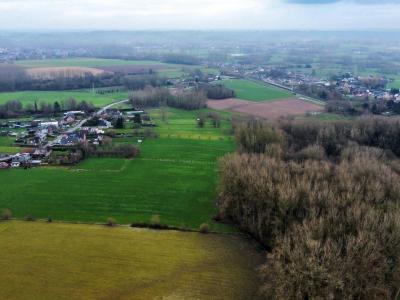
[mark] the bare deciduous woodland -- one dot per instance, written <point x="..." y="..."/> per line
<point x="324" y="199"/>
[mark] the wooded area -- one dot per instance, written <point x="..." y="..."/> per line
<point x="324" y="199"/>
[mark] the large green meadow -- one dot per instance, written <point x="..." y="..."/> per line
<point x="250" y="90"/>
<point x="7" y="145"/>
<point x="65" y="261"/>
<point x="395" y="83"/>
<point x="174" y="177"/>
<point x="30" y="97"/>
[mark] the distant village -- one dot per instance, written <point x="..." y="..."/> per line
<point x="55" y="141"/>
<point x="370" y="91"/>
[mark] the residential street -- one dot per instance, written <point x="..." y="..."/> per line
<point x="80" y="124"/>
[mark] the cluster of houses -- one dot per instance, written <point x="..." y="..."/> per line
<point x="348" y="85"/>
<point x="39" y="133"/>
<point x="41" y="140"/>
<point x="93" y="135"/>
<point x="35" y="138"/>
<point x="290" y="80"/>
<point x="23" y="160"/>
<point x="366" y="87"/>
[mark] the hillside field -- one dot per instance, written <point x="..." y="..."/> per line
<point x="173" y="177"/>
<point x="29" y="97"/>
<point x="253" y="91"/>
<point x="164" y="69"/>
<point x="61" y="261"/>
<point x="396" y="83"/>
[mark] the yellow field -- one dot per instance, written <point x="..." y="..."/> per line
<point x="55" y="72"/>
<point x="62" y="261"/>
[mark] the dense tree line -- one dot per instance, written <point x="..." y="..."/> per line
<point x="138" y="82"/>
<point x="180" y="58"/>
<point x="362" y="106"/>
<point x="321" y="92"/>
<point x="14" y="108"/>
<point x="108" y="149"/>
<point x="22" y="82"/>
<point x="218" y="92"/>
<point x="324" y="199"/>
<point x="155" y="97"/>
<point x="13" y="78"/>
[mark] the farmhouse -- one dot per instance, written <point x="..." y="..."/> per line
<point x="68" y="119"/>
<point x="104" y="124"/>
<point x="15" y="164"/>
<point x="48" y="124"/>
<point x="74" y="112"/>
<point x="21" y="158"/>
<point x="72" y="138"/>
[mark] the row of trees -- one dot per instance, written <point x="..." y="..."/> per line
<point x="321" y="92"/>
<point x="14" y="78"/>
<point x="108" y="149"/>
<point x="154" y="97"/>
<point x="218" y="92"/>
<point x="15" y="108"/>
<point x="324" y="199"/>
<point x="22" y="82"/>
<point x="384" y="133"/>
<point x="214" y="117"/>
<point x="181" y="58"/>
<point x="359" y="106"/>
<point x="138" y="82"/>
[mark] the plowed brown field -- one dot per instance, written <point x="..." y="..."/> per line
<point x="54" y="72"/>
<point x="268" y="110"/>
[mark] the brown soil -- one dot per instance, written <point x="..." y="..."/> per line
<point x="54" y="72"/>
<point x="268" y="110"/>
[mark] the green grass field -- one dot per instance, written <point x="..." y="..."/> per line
<point x="249" y="90"/>
<point x="7" y="145"/>
<point x="61" y="261"/>
<point x="9" y="150"/>
<point x="183" y="124"/>
<point x="173" y="177"/>
<point x="29" y="97"/>
<point x="395" y="84"/>
<point x="6" y="141"/>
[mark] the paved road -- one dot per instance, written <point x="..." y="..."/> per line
<point x="80" y="124"/>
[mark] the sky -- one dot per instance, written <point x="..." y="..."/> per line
<point x="199" y="14"/>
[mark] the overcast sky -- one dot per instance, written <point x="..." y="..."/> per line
<point x="199" y="14"/>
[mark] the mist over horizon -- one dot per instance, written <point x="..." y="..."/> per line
<point x="200" y="15"/>
<point x="181" y="149"/>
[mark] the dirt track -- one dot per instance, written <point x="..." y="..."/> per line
<point x="268" y="110"/>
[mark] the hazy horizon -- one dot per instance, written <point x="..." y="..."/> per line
<point x="155" y="15"/>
